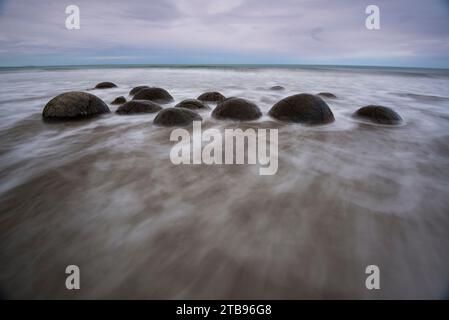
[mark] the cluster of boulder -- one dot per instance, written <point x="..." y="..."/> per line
<point x="301" y="108"/>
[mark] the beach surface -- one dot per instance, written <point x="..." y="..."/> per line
<point x="103" y="194"/>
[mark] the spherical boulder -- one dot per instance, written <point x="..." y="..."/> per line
<point x="105" y="85"/>
<point x="137" y="89"/>
<point x="236" y="109"/>
<point x="277" y="88"/>
<point x="74" y="105"/>
<point x="154" y="94"/>
<point x="192" y="104"/>
<point x="138" y="106"/>
<point x="178" y="117"/>
<point x="378" y="114"/>
<point x="119" y="100"/>
<point x="302" y="108"/>
<point x="212" y="96"/>
<point x="327" y="95"/>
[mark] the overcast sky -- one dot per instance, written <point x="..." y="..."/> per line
<point x="413" y="33"/>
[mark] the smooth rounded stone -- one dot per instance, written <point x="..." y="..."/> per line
<point x="327" y="95"/>
<point x="192" y="104"/>
<point x="212" y="96"/>
<point x="105" y="85"/>
<point x="302" y="108"/>
<point x="137" y="89"/>
<point x="138" y="106"/>
<point x="119" y="100"/>
<point x="236" y="109"/>
<point x="154" y="94"/>
<point x="172" y="117"/>
<point x="378" y="114"/>
<point x="277" y="88"/>
<point x="74" y="105"/>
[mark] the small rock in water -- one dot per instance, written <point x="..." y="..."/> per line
<point x="327" y="95"/>
<point x="192" y="104"/>
<point x="378" y="114"/>
<point x="179" y="117"/>
<point x="302" y="108"/>
<point x="105" y="85"/>
<point x="138" y="106"/>
<point x="277" y="88"/>
<point x="119" y="100"/>
<point x="137" y="89"/>
<point x="154" y="94"/>
<point x="74" y="105"/>
<point x="211" y="96"/>
<point x="236" y="109"/>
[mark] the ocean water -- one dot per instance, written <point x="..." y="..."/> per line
<point x="102" y="194"/>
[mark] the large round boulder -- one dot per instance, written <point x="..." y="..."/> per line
<point x="378" y="114"/>
<point x="74" y="105"/>
<point x="119" y="100"/>
<point x="137" y="89"/>
<point x="302" y="108"/>
<point x="105" y="85"/>
<point x="154" y="94"/>
<point x="179" y="117"/>
<point x="138" y="106"/>
<point x="192" y="104"/>
<point x="212" y="96"/>
<point x="237" y="109"/>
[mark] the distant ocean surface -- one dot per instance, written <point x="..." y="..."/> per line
<point x="102" y="194"/>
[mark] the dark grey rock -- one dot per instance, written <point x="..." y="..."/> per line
<point x="327" y="95"/>
<point x="378" y="114"/>
<point x="138" y="106"/>
<point x="212" y="96"/>
<point x="277" y="88"/>
<point x="119" y="100"/>
<point x="302" y="108"/>
<point x="74" y="105"/>
<point x="236" y="109"/>
<point x="105" y="85"/>
<point x="154" y="94"/>
<point x="192" y="104"/>
<point x="137" y="89"/>
<point x="178" y="117"/>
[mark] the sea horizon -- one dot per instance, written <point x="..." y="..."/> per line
<point x="225" y="65"/>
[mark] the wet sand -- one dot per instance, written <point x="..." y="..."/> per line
<point x="103" y="195"/>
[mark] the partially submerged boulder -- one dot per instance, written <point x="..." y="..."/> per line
<point x="212" y="96"/>
<point x="105" y="85"/>
<point x="378" y="114"/>
<point x="74" y="105"/>
<point x="192" y="104"/>
<point x="327" y="95"/>
<point x="277" y="88"/>
<point x="302" y="108"/>
<point x="119" y="100"/>
<point x="236" y="109"/>
<point x="137" y="89"/>
<point x="178" y="117"/>
<point x="138" y="106"/>
<point x="154" y="94"/>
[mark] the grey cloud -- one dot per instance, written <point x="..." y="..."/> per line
<point x="296" y="30"/>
